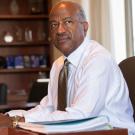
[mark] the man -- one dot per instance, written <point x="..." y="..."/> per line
<point x="95" y="83"/>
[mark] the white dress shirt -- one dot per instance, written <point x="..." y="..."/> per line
<point x="95" y="87"/>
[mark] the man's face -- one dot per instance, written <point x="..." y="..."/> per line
<point x="67" y="30"/>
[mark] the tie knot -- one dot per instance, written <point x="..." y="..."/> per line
<point x="66" y="62"/>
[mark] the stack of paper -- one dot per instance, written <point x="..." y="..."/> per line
<point x="87" y="124"/>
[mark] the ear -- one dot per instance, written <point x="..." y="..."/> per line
<point x="85" y="26"/>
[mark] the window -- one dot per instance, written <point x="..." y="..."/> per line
<point x="117" y="15"/>
<point x="133" y="18"/>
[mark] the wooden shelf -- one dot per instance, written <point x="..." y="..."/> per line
<point x="24" y="70"/>
<point x="22" y="17"/>
<point x="24" y="26"/>
<point x="24" y="44"/>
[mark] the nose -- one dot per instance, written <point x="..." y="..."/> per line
<point x="61" y="28"/>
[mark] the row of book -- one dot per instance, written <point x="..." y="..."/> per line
<point x="26" y="61"/>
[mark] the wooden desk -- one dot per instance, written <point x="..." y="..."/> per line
<point x="101" y="132"/>
<point x="12" y="131"/>
<point x="17" y="105"/>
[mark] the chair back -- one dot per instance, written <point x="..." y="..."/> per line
<point x="127" y="67"/>
<point x="3" y="93"/>
<point x="38" y="91"/>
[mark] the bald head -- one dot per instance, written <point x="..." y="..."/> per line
<point x="72" y="7"/>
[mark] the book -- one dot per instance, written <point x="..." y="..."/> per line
<point x="67" y="126"/>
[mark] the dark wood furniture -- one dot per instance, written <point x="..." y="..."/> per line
<point x="11" y="131"/>
<point x="100" y="132"/>
<point x="24" y="32"/>
<point x="127" y="67"/>
<point x="17" y="105"/>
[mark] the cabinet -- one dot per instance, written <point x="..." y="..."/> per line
<point x="24" y="45"/>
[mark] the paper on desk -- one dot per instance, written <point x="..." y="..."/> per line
<point x="88" y="124"/>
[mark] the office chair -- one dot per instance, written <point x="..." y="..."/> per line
<point x="127" y="67"/>
<point x="37" y="91"/>
<point x="3" y="93"/>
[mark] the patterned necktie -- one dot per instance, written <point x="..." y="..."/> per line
<point x="62" y="86"/>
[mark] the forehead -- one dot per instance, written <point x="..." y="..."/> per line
<point x="63" y="11"/>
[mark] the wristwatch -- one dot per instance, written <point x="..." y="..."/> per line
<point x="17" y="119"/>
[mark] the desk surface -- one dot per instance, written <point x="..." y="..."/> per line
<point x="101" y="132"/>
<point x="12" y="131"/>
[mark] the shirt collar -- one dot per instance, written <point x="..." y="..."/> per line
<point x="75" y="56"/>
